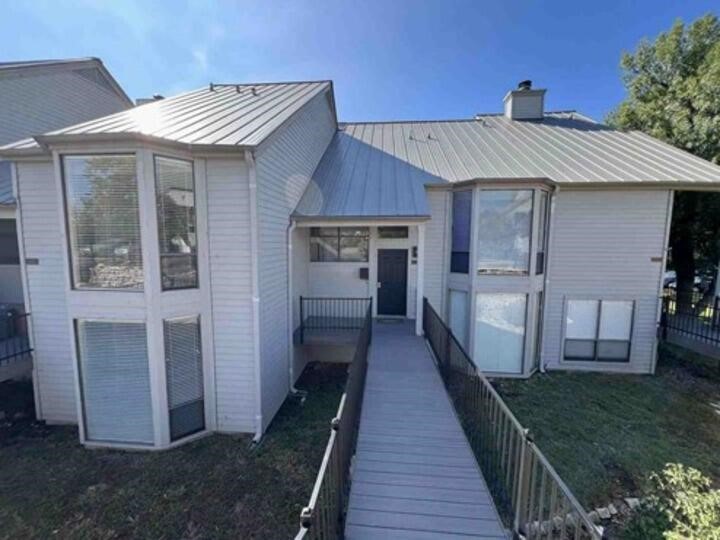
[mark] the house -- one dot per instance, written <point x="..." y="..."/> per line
<point x="167" y="247"/>
<point x="36" y="97"/>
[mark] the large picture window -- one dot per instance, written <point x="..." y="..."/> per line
<point x="504" y="228"/>
<point x="598" y="330"/>
<point x="115" y="381"/>
<point x="175" y="195"/>
<point x="101" y="195"/>
<point x="500" y="332"/>
<point x="461" y="225"/>
<point x="339" y="244"/>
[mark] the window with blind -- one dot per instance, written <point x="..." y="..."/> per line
<point x="504" y="228"/>
<point x="115" y="381"/>
<point x="175" y="196"/>
<point x="101" y="196"/>
<point x="461" y="225"/>
<point x="183" y="361"/>
<point x="339" y="244"/>
<point x="598" y="330"/>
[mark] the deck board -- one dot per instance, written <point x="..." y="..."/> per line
<point x="414" y="475"/>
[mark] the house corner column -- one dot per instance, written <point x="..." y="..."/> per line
<point x="420" y="280"/>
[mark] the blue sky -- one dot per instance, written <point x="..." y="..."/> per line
<point x="392" y="59"/>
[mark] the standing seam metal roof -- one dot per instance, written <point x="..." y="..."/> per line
<point x="381" y="169"/>
<point x="237" y="115"/>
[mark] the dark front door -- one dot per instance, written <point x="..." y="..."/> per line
<point x="392" y="281"/>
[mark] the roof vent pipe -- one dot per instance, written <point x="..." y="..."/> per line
<point x="525" y="103"/>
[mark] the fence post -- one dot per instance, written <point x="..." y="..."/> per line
<point x="523" y="491"/>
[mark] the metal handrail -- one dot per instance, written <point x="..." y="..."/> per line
<point x="323" y="517"/>
<point x="530" y="495"/>
<point x="331" y="313"/>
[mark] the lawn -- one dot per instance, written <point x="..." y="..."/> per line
<point x="604" y="434"/>
<point x="218" y="487"/>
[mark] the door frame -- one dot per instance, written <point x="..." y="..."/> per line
<point x="377" y="281"/>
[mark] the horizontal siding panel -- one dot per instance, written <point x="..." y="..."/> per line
<point x="602" y="246"/>
<point x="231" y="284"/>
<point x="284" y="168"/>
<point x="435" y="250"/>
<point x="55" y="377"/>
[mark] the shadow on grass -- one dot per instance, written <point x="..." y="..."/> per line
<point x="217" y="487"/>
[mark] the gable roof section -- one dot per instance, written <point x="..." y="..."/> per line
<point x="223" y="116"/>
<point x="381" y="169"/>
<point x="82" y="66"/>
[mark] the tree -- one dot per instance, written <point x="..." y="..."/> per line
<point x="673" y="86"/>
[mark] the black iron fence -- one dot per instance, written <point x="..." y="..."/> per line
<point x="323" y="517"/>
<point x="696" y="317"/>
<point x="327" y="314"/>
<point x="531" y="497"/>
<point x="14" y="337"/>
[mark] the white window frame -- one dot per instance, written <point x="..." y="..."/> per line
<point x="596" y="359"/>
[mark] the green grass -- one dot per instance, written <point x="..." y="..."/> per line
<point x="605" y="433"/>
<point x="217" y="487"/>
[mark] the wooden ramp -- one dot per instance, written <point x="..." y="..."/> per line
<point x="414" y="476"/>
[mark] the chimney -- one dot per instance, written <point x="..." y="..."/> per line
<point x="525" y="103"/>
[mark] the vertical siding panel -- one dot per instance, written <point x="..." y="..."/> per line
<point x="284" y="168"/>
<point x="602" y="246"/>
<point x="231" y="284"/>
<point x="48" y="299"/>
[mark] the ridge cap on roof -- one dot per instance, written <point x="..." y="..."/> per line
<point x="456" y="120"/>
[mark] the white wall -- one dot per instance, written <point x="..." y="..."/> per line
<point x="33" y="104"/>
<point x="300" y="287"/>
<point x="284" y="166"/>
<point x="231" y="283"/>
<point x="437" y="250"/>
<point x="606" y="244"/>
<point x="40" y="221"/>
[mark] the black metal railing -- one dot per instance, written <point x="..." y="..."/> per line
<point x="323" y="314"/>
<point x="324" y="516"/>
<point x="696" y="317"/>
<point x="14" y="337"/>
<point x="531" y="498"/>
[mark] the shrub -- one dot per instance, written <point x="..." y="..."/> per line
<point x="680" y="505"/>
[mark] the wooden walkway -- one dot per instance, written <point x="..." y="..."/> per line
<point x="414" y="476"/>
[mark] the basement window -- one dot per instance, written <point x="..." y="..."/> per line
<point x="598" y="330"/>
<point x="339" y="244"/>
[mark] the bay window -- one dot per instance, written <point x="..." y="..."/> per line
<point x="598" y="330"/>
<point x="500" y="332"/>
<point x="101" y="198"/>
<point x="115" y="381"/>
<point x="175" y="200"/>
<point x="461" y="226"/>
<point x="504" y="230"/>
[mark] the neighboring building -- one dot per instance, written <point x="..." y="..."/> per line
<point x="36" y="97"/>
<point x="168" y="246"/>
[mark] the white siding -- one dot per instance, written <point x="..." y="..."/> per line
<point x="436" y="249"/>
<point x="46" y="290"/>
<point x="231" y="283"/>
<point x="601" y="247"/>
<point x="300" y="286"/>
<point x="38" y="103"/>
<point x="284" y="167"/>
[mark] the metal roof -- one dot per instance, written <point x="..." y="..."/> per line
<point x="226" y="115"/>
<point x="381" y="169"/>
<point x="34" y="67"/>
